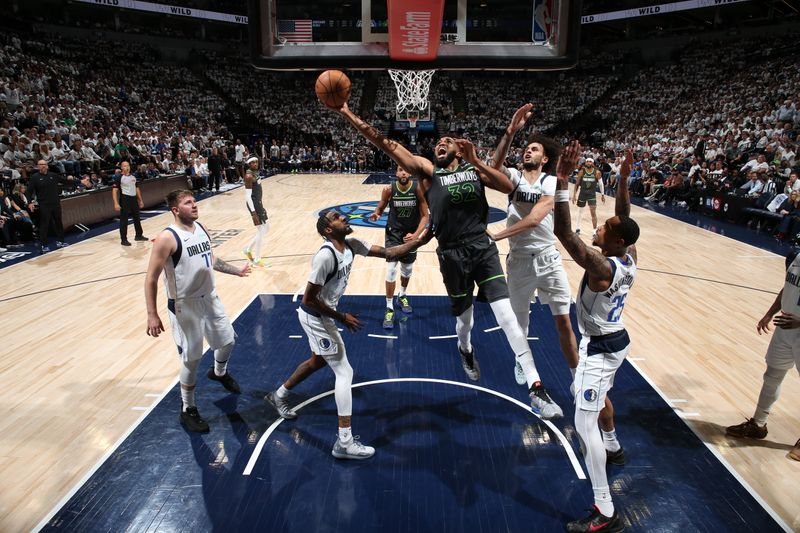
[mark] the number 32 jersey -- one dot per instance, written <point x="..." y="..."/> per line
<point x="600" y="313"/>
<point x="458" y="207"/>
<point x="188" y="272"/>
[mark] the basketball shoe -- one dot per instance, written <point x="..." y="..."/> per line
<point x="354" y="450"/>
<point x="280" y="405"/>
<point x="794" y="453"/>
<point x="747" y="429"/>
<point x="388" y="319"/>
<point x="404" y="305"/>
<point x="542" y="404"/>
<point x="597" y="522"/>
<point x="193" y="421"/>
<point x="226" y="379"/>
<point x="616" y="458"/>
<point x="470" y="364"/>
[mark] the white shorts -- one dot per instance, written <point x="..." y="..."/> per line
<point x="195" y="318"/>
<point x="599" y="359"/>
<point x="784" y="349"/>
<point x="323" y="335"/>
<point x="543" y="272"/>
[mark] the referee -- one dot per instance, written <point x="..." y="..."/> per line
<point x="128" y="200"/>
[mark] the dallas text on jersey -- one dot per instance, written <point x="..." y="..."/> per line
<point x="198" y="248"/>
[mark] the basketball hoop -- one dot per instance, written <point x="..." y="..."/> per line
<point x="412" y="117"/>
<point x="412" y="89"/>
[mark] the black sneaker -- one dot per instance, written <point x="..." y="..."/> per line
<point x="597" y="522"/>
<point x="125" y="243"/>
<point x="616" y="458"/>
<point x="747" y="429"/>
<point x="140" y="238"/>
<point x="227" y="380"/>
<point x="193" y="421"/>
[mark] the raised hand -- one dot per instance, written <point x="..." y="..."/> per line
<point x="520" y="117"/>
<point x="568" y="161"/>
<point x="627" y="164"/>
<point x="467" y="150"/>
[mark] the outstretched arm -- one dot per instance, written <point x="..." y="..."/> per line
<point x="395" y="252"/>
<point x="531" y="220"/>
<point x="491" y="177"/>
<point x="518" y="121"/>
<point x="622" y="205"/>
<point x="596" y="265"/>
<point x="415" y="165"/>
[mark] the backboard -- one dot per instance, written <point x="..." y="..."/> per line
<point x="355" y="34"/>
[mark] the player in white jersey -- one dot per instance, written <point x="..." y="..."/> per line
<point x="183" y="252"/>
<point x="330" y="272"/>
<point x="534" y="263"/>
<point x="604" y="345"/>
<point x="783" y="353"/>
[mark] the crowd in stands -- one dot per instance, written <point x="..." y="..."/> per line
<point x="724" y="117"/>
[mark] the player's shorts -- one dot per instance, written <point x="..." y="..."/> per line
<point x="195" y="318"/>
<point x="474" y="263"/>
<point x="784" y="349"/>
<point x="261" y="212"/>
<point x="599" y="359"/>
<point x="542" y="272"/>
<point x="394" y="237"/>
<point x="324" y="338"/>
<point x="584" y="199"/>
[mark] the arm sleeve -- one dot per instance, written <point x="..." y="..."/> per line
<point x="248" y="198"/>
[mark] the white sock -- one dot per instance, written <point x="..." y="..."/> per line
<point x="402" y="291"/>
<point x="345" y="435"/>
<point x="389" y="303"/>
<point x="602" y="499"/>
<point x="610" y="440"/>
<point x="282" y="392"/>
<point x="464" y="330"/>
<point x="187" y="396"/>
<point x="221" y="358"/>
<point x="580" y="216"/>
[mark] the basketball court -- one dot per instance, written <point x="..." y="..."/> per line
<point x="91" y="440"/>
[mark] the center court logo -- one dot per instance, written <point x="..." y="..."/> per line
<point x="358" y="213"/>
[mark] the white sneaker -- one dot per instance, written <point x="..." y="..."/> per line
<point x="543" y="404"/>
<point x="280" y="405"/>
<point x="472" y="369"/>
<point x="519" y="374"/>
<point x="354" y="450"/>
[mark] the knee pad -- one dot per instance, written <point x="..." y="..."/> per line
<point x="391" y="271"/>
<point x="406" y="269"/>
<point x="188" y="375"/>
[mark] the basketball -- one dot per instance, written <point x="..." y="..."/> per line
<point x="333" y="88"/>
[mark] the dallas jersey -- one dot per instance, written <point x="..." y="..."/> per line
<point x="331" y="268"/>
<point x="457" y="202"/>
<point x="600" y="313"/>
<point x="520" y="203"/>
<point x="790" y="300"/>
<point x="189" y="272"/>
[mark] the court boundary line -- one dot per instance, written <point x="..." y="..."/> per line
<point x="561" y="437"/>
<point x="724" y="462"/>
<point x="110" y="451"/>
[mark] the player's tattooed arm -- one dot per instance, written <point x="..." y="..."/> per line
<point x="227" y="268"/>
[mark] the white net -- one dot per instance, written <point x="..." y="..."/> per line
<point x="412" y="88"/>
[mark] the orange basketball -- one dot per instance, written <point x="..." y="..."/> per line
<point x="333" y="88"/>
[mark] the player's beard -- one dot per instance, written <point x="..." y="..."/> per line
<point x="531" y="166"/>
<point x="444" y="162"/>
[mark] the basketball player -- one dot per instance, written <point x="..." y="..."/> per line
<point x="585" y="192"/>
<point x="183" y="253"/>
<point x="783" y="353"/>
<point x="605" y="343"/>
<point x="534" y="262"/>
<point x="252" y="195"/>
<point x="330" y="272"/>
<point x="455" y="190"/>
<point x="408" y="216"/>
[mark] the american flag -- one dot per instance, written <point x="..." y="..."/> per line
<point x="295" y="31"/>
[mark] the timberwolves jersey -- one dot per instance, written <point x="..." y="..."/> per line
<point x="404" y="212"/>
<point x="520" y="203"/>
<point x="330" y="268"/>
<point x="259" y="207"/>
<point x="588" y="184"/>
<point x="600" y="313"/>
<point x="790" y="301"/>
<point x="457" y="202"/>
<point x="189" y="272"/>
